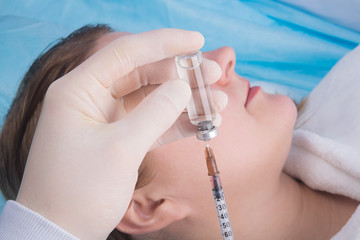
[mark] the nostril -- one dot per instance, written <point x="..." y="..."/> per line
<point x="226" y="58"/>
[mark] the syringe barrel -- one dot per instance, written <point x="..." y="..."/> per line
<point x="201" y="106"/>
<point x="221" y="208"/>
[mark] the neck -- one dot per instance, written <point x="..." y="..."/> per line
<point x="315" y="215"/>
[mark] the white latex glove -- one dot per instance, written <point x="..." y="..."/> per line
<point x="84" y="159"/>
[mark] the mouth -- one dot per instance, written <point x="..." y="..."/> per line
<point x="251" y="93"/>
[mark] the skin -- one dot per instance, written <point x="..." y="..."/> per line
<point x="251" y="149"/>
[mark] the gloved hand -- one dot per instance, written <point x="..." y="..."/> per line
<point x="88" y="146"/>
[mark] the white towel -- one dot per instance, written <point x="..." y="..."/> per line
<point x="324" y="164"/>
<point x="325" y="153"/>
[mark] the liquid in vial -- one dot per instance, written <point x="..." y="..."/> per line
<point x="201" y="107"/>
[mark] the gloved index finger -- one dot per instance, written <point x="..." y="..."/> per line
<point x="123" y="55"/>
<point x="158" y="72"/>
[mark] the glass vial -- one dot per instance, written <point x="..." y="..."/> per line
<point x="201" y="108"/>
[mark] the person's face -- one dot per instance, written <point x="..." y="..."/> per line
<point x="250" y="149"/>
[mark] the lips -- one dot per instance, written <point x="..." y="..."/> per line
<point x="251" y="94"/>
<point x="247" y="90"/>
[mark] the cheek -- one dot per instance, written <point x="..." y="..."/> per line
<point x="250" y="152"/>
<point x="182" y="175"/>
<point x="181" y="168"/>
<point x="254" y="144"/>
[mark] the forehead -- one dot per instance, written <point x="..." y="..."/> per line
<point x="107" y="38"/>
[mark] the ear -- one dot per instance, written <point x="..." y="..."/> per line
<point x="146" y="215"/>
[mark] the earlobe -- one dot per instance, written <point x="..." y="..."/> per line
<point x="145" y="215"/>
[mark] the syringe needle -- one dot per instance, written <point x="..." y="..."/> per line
<point x="210" y="161"/>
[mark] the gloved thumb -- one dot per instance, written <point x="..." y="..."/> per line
<point x="155" y="114"/>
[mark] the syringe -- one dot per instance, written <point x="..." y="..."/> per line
<point x="202" y="113"/>
<point x="218" y="194"/>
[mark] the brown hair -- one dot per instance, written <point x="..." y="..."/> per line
<point x="21" y="120"/>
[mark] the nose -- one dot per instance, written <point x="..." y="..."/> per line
<point x="226" y="59"/>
